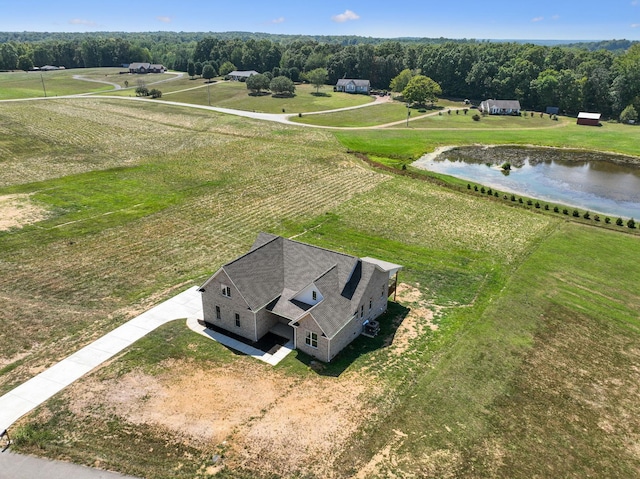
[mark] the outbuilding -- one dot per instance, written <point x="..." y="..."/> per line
<point x="590" y="119"/>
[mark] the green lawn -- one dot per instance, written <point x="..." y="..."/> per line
<point x="532" y="368"/>
<point x="462" y="121"/>
<point x="375" y="115"/>
<point x="408" y="143"/>
<point x="16" y="85"/>
<point x="235" y="95"/>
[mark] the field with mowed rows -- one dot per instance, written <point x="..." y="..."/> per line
<point x="511" y="350"/>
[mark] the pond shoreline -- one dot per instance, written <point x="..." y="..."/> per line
<point x="591" y="180"/>
<point x="609" y="155"/>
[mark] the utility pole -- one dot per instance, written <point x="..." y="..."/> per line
<point x="45" y="90"/>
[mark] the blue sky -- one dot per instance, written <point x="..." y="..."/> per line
<point x="495" y="19"/>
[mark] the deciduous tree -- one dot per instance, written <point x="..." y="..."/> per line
<point x="400" y="82"/>
<point x="282" y="86"/>
<point x="208" y="72"/>
<point x="318" y="77"/>
<point x="421" y="89"/>
<point x="257" y="83"/>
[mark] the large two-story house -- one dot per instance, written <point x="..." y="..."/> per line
<point x="321" y="299"/>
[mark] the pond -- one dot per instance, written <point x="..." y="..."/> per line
<point x="591" y="181"/>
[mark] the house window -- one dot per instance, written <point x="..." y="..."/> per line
<point x="311" y="339"/>
<point x="370" y="303"/>
<point x="226" y="291"/>
<point x="314" y="295"/>
<point x="382" y="294"/>
<point x="218" y="316"/>
<point x="361" y="310"/>
<point x="237" y="320"/>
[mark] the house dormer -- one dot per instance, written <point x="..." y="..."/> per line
<point x="310" y="295"/>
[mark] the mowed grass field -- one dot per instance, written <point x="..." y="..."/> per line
<point x="517" y="355"/>
<point x="236" y="96"/>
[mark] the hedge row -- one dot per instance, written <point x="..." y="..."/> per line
<point x="631" y="223"/>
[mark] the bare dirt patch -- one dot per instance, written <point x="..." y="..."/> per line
<point x="263" y="420"/>
<point x="17" y="211"/>
<point x="421" y="316"/>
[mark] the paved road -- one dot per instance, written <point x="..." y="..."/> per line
<point x="17" y="466"/>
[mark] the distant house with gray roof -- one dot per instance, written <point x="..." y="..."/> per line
<point x="500" y="107"/>
<point x="349" y="85"/>
<point x="240" y="75"/>
<point x="144" y="67"/>
<point x="320" y="299"/>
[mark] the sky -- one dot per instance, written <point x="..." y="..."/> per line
<point x="479" y="19"/>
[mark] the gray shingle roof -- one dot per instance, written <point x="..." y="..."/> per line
<point x="345" y="81"/>
<point x="276" y="269"/>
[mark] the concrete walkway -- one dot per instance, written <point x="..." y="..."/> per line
<point x="29" y="395"/>
<point x="272" y="359"/>
<point x="17" y="466"/>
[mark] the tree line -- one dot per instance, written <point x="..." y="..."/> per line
<point x="572" y="78"/>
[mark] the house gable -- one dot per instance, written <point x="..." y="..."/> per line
<point x="285" y="281"/>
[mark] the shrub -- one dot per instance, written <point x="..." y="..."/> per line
<point x="482" y="190"/>
<point x="607" y="220"/>
<point x="586" y="215"/>
<point x="529" y="202"/>
<point x="142" y="91"/>
<point x="546" y="207"/>
<point x="520" y="201"/>
<point x="489" y="191"/>
<point x="537" y="205"/>
<point x="505" y="197"/>
<point x="556" y="209"/>
<point x="468" y="186"/>
<point x="596" y="218"/>
<point x="576" y="213"/>
<point x="506" y="166"/>
<point x="619" y="222"/>
<point x="513" y="197"/>
<point x="631" y="223"/>
<point x="476" y="117"/>
<point x="475" y="188"/>
<point x="496" y="195"/>
<point x="155" y="93"/>
<point x="565" y="211"/>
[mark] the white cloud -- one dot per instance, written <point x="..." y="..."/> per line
<point x="346" y="16"/>
<point x="164" y="19"/>
<point x="80" y="21"/>
<point x="635" y="25"/>
<point x="537" y="19"/>
<point x="635" y="3"/>
<point x="555" y="17"/>
<point x="278" y="20"/>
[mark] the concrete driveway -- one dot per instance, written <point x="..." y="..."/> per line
<point x="29" y="395"/>
<point x="17" y="466"/>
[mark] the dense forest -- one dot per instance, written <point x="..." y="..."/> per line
<point x="596" y="76"/>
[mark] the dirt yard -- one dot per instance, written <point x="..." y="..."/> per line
<point x="258" y="417"/>
<point x="17" y="211"/>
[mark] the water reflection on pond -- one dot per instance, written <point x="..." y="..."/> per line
<point x="597" y="182"/>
